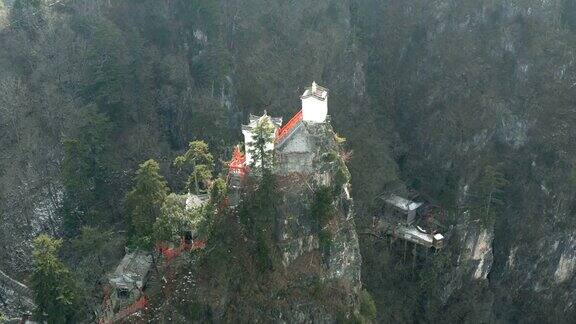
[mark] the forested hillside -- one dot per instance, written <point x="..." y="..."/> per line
<point x="470" y="103"/>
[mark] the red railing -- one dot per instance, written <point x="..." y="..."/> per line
<point x="290" y="125"/>
<point x="139" y="305"/>
<point x="238" y="163"/>
<point x="170" y="253"/>
<point x="108" y="316"/>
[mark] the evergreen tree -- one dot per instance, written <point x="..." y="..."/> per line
<point x="263" y="136"/>
<point x="98" y="247"/>
<point x="218" y="192"/>
<point x="197" y="181"/>
<point x="367" y="307"/>
<point x="322" y="208"/>
<point x="257" y="214"/>
<point x="55" y="290"/>
<point x="173" y="222"/>
<point x="27" y="15"/>
<point x="323" y="211"/>
<point x="145" y="200"/>
<point x="490" y="191"/>
<point x="198" y="162"/>
<point x="572" y="176"/>
<point x="85" y="171"/>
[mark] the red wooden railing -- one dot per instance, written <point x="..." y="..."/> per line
<point x="238" y="163"/>
<point x="137" y="306"/>
<point x="107" y="313"/>
<point x="170" y="253"/>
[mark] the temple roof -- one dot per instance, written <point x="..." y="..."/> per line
<point x="290" y="126"/>
<point x="253" y="121"/>
<point x="238" y="162"/>
<point x="402" y="203"/>
<point x="315" y="91"/>
<point x="132" y="269"/>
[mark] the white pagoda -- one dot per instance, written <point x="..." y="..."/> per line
<point x="314" y="111"/>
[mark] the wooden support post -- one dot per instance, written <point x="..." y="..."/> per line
<point x="414" y="251"/>
<point x="405" y="247"/>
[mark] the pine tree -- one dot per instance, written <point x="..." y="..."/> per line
<point x="145" y="200"/>
<point x="96" y="246"/>
<point x="85" y="171"/>
<point x="257" y="214"/>
<point x="55" y="290"/>
<point x="173" y="222"/>
<point x="201" y="175"/>
<point x="490" y="190"/>
<point x="572" y="176"/>
<point x="27" y="15"/>
<point x="367" y="307"/>
<point x="218" y="192"/>
<point x="263" y="136"/>
<point x="198" y="162"/>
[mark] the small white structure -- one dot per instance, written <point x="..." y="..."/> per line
<point x="195" y="201"/>
<point x="404" y="206"/>
<point x="315" y="104"/>
<point x="247" y="130"/>
<point x="412" y="234"/>
<point x="314" y="111"/>
<point x="408" y="220"/>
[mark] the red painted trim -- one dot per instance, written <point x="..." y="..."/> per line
<point x="289" y="127"/>
<point x="238" y="163"/>
<point x="170" y="253"/>
<point x="137" y="306"/>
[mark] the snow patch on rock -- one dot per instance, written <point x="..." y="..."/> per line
<point x="567" y="263"/>
<point x="200" y="36"/>
<point x="46" y="218"/>
<point x="3" y="15"/>
<point x="482" y="252"/>
<point x="512" y="258"/>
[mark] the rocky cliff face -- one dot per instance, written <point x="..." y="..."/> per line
<point x="315" y="271"/>
<point x="477" y="83"/>
<point x="339" y="264"/>
<point x="475" y="258"/>
<point x="296" y="225"/>
<point x="3" y="15"/>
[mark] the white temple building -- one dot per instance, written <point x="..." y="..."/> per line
<point x="292" y="142"/>
<point x="315" y="104"/>
<point x="247" y="130"/>
<point x="314" y="110"/>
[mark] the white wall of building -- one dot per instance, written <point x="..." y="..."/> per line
<point x="249" y="145"/>
<point x="248" y="139"/>
<point x="314" y="110"/>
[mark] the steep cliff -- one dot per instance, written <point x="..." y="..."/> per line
<point x="3" y="15"/>
<point x="488" y="83"/>
<point x="292" y="238"/>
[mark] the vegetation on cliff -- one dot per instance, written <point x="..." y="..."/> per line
<point x="56" y="293"/>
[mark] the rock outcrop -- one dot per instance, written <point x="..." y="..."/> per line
<point x="3" y="15"/>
